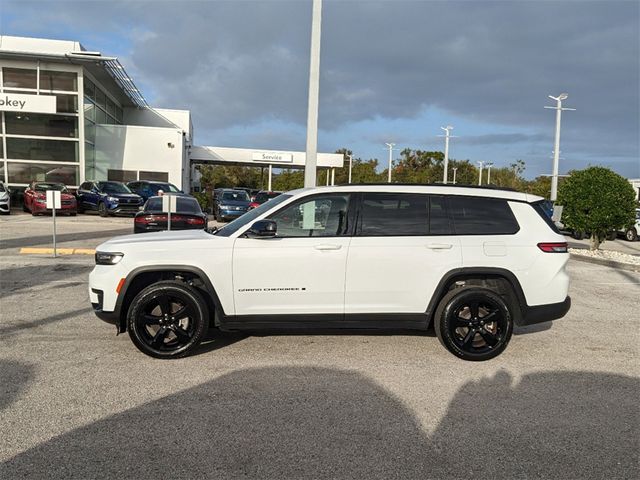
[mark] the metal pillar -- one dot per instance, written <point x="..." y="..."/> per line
<point x="311" y="160"/>
<point x="270" y="175"/>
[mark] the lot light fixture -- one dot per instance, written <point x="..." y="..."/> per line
<point x="556" y="145"/>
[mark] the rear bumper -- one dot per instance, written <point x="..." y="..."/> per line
<point x="545" y="313"/>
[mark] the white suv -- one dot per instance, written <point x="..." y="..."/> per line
<point x="469" y="261"/>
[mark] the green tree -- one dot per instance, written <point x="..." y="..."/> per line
<point x="597" y="200"/>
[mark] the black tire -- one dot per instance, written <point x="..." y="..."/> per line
<point x="73" y="214"/>
<point x="80" y="209"/>
<point x="155" y="329"/>
<point x="631" y="235"/>
<point x="24" y="207"/>
<point x="612" y="236"/>
<point x="461" y="326"/>
<point x="578" y="234"/>
<point x="102" y="210"/>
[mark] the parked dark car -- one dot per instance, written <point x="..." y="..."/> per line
<point x="149" y="188"/>
<point x="35" y="198"/>
<point x="261" y="197"/>
<point x="108" y="198"/>
<point x="230" y="203"/>
<point x="188" y="216"/>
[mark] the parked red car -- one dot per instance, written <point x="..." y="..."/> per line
<point x="261" y="197"/>
<point x="35" y="198"/>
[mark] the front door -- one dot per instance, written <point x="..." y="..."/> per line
<point x="302" y="269"/>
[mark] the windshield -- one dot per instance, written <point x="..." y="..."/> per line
<point x="183" y="205"/>
<point x="165" y="187"/>
<point x="113" y="187"/>
<point x="264" y="196"/>
<point x="250" y="216"/>
<point x="238" y="196"/>
<point x="43" y="187"/>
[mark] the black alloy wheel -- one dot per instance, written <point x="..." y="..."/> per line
<point x="102" y="210"/>
<point x="474" y="323"/>
<point x="167" y="319"/>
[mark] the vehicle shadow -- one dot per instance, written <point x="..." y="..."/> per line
<point x="16" y="279"/>
<point x="14" y="379"/>
<point x="305" y="422"/>
<point x="535" y="328"/>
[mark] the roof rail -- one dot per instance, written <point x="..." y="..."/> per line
<point x="457" y="185"/>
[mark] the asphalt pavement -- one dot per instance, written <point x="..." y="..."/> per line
<point x="77" y="401"/>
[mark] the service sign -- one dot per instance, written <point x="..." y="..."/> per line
<point x="18" y="102"/>
<point x="272" y="157"/>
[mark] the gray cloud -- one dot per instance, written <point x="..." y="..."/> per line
<point x="242" y="63"/>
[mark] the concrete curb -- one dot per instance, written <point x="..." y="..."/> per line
<point x="607" y="263"/>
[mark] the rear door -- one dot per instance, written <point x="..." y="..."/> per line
<point x="402" y="248"/>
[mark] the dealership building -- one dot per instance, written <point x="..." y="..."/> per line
<point x="71" y="115"/>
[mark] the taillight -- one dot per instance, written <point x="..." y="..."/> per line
<point x="253" y="205"/>
<point x="195" y="221"/>
<point x="555" y="247"/>
<point x="143" y="220"/>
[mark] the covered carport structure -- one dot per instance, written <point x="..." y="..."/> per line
<point x="248" y="157"/>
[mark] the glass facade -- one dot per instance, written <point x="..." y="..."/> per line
<point x="46" y="147"/>
<point x="98" y="110"/>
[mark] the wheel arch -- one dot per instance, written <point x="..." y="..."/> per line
<point x="499" y="280"/>
<point x="141" y="277"/>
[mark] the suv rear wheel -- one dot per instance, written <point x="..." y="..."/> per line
<point x="474" y="323"/>
<point x="168" y="319"/>
<point x="631" y="235"/>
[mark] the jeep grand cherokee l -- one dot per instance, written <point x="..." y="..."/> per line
<point x="471" y="262"/>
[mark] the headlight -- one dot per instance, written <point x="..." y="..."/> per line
<point x="224" y="207"/>
<point x="108" y="258"/>
<point x="112" y="199"/>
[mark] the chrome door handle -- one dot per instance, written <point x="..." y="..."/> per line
<point x="439" y="246"/>
<point x="327" y="247"/>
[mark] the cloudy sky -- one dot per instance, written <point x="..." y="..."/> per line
<point x="391" y="71"/>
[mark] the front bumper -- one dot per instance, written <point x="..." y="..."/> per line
<point x="123" y="208"/>
<point x="4" y="206"/>
<point x="232" y="213"/>
<point x="66" y="208"/>
<point x="545" y="313"/>
<point x="97" y="303"/>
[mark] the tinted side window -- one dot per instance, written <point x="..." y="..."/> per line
<point x="318" y="216"/>
<point x="482" y="216"/>
<point x="439" y="221"/>
<point x="393" y="214"/>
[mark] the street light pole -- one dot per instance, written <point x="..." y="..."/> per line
<point x="489" y="173"/>
<point x="390" y="145"/>
<point x="480" y="164"/>
<point x="454" y="174"/>
<point x="447" y="130"/>
<point x="311" y="160"/>
<point x="556" y="145"/>
<point x="350" y="166"/>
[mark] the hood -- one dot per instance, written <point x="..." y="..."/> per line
<point x="123" y="195"/>
<point x="155" y="239"/>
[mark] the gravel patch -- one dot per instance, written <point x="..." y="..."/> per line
<point x="607" y="255"/>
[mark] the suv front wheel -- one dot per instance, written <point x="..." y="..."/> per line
<point x="168" y="319"/>
<point x="474" y="323"/>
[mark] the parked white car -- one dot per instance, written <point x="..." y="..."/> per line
<point x="471" y="262"/>
<point x="5" y="200"/>
<point x="633" y="233"/>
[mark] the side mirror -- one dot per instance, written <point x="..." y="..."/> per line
<point x="262" y="229"/>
